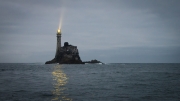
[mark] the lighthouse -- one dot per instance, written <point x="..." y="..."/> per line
<point x="68" y="54"/>
<point x="58" y="47"/>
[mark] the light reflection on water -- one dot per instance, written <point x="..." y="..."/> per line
<point x="60" y="79"/>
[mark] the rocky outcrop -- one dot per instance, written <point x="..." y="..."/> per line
<point x="93" y="62"/>
<point x="68" y="54"/>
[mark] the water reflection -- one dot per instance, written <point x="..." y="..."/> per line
<point x="60" y="79"/>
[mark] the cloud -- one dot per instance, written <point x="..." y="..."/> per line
<point x="135" y="55"/>
<point x="28" y="29"/>
<point x="168" y="11"/>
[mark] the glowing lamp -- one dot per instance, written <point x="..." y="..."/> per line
<point x="58" y="31"/>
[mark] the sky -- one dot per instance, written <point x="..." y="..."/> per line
<point x="112" y="31"/>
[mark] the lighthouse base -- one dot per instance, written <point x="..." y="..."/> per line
<point x="68" y="54"/>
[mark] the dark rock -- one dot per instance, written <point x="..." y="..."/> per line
<point x="68" y="54"/>
<point x="93" y="62"/>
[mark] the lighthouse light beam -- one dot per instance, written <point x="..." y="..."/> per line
<point x="61" y="18"/>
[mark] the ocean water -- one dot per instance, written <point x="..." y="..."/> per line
<point x="91" y="82"/>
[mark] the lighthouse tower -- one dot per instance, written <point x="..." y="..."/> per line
<point x="58" y="48"/>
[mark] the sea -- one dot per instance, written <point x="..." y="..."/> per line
<point x="90" y="82"/>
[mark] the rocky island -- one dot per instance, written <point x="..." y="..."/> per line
<point x="93" y="62"/>
<point x="68" y="54"/>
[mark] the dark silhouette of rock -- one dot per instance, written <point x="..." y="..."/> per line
<point x="68" y="54"/>
<point x="93" y="62"/>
